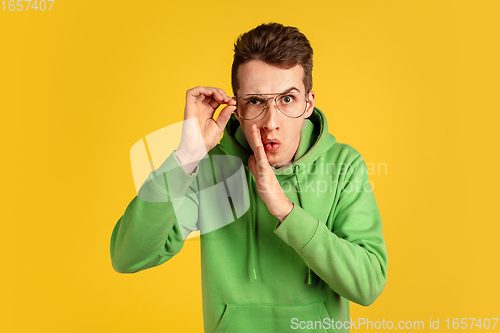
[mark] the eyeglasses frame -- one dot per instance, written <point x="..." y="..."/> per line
<point x="275" y="103"/>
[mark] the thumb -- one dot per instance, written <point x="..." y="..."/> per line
<point x="224" y="116"/>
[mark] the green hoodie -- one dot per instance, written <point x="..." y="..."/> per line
<point x="259" y="275"/>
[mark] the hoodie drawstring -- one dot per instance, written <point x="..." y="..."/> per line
<point x="296" y="168"/>
<point x="255" y="209"/>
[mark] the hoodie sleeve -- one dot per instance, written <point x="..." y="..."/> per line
<point x="156" y="222"/>
<point x="351" y="258"/>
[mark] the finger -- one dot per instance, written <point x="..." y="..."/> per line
<point x="255" y="138"/>
<point x="199" y="98"/>
<point x="251" y="165"/>
<point x="227" y="100"/>
<point x="224" y="116"/>
<point x="214" y="104"/>
<point x="259" y="173"/>
<point x="202" y="94"/>
<point x="261" y="153"/>
<point x="199" y="94"/>
<point x="261" y="159"/>
<point x="258" y="149"/>
<point x="218" y="94"/>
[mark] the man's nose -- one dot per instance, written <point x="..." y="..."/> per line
<point x="270" y="121"/>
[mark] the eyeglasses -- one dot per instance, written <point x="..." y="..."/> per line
<point x="291" y="104"/>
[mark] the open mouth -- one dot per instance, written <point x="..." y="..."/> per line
<point x="271" y="145"/>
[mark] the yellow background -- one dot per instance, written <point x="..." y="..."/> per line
<point x="412" y="84"/>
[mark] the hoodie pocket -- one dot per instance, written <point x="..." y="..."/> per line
<point x="264" y="318"/>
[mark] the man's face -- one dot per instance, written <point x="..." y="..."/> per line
<point x="257" y="77"/>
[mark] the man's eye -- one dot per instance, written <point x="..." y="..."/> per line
<point x="254" y="102"/>
<point x="287" y="99"/>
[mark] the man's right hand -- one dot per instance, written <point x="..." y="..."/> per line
<point x="201" y="103"/>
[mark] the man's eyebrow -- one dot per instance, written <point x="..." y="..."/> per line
<point x="284" y="92"/>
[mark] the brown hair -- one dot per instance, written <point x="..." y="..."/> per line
<point x="275" y="44"/>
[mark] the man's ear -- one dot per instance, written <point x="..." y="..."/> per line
<point x="237" y="116"/>
<point x="310" y="105"/>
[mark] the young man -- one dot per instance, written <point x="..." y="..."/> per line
<point x="301" y="235"/>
